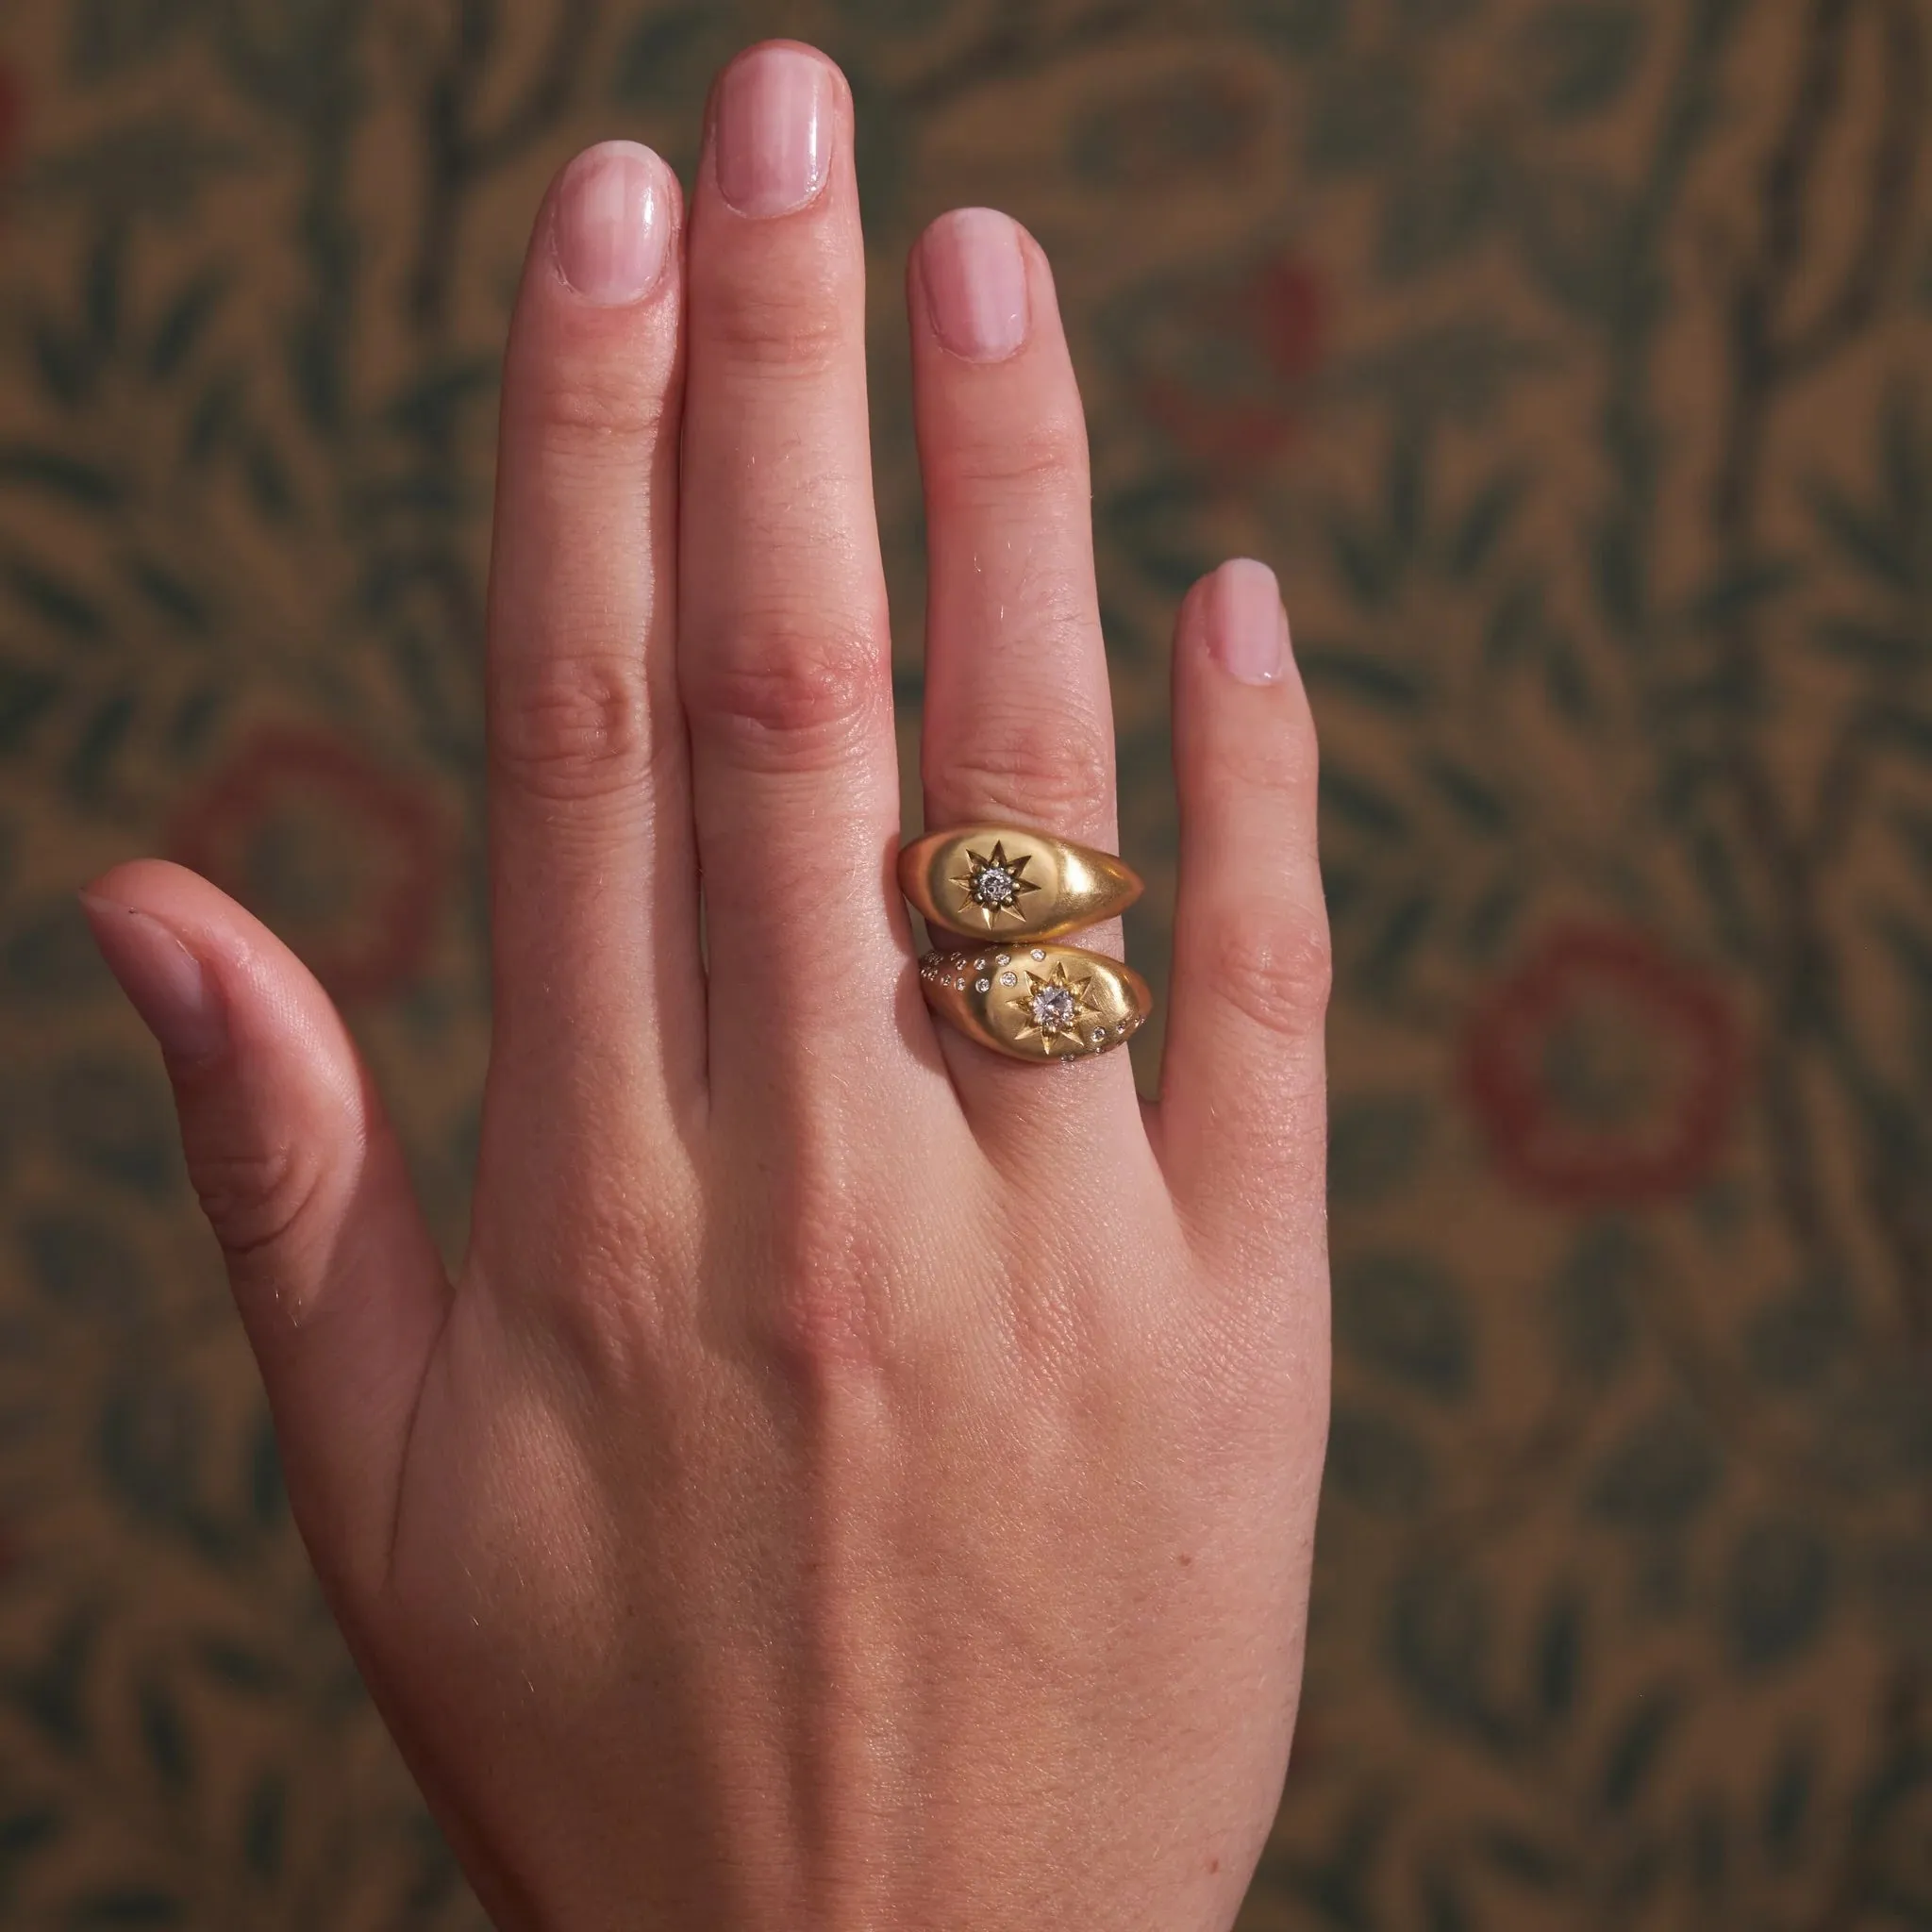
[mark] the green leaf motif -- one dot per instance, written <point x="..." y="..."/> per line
<point x="59" y="603"/>
<point x="1658" y="1474"/>
<point x="1583" y="54"/>
<point x="1406" y="1316"/>
<point x="1791" y="1787"/>
<point x="265" y="1825"/>
<point x="1520" y="1854"/>
<point x="1777" y="1592"/>
<point x="1485" y="520"/>
<point x="105" y="38"/>
<point x="184" y="321"/>
<point x="54" y="473"/>
<point x="51" y="1692"/>
<point x="1360" y="672"/>
<point x="1375" y="1145"/>
<point x="1638" y="1746"/>
<point x="1870" y="537"/>
<point x="1361" y="801"/>
<point x="28" y="693"/>
<point x="666" y="54"/>
<point x="164" y="1735"/>
<point x="1376" y="1462"/>
<point x="1560" y="1656"/>
<point x="125" y="1905"/>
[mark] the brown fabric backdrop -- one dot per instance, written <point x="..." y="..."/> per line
<point x="1570" y="357"/>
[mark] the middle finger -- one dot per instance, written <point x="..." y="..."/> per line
<point x="785" y="647"/>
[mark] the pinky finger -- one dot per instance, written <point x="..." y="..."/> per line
<point x="1242" y="1119"/>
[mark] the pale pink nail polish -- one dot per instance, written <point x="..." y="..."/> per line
<point x="611" y="222"/>
<point x="772" y="132"/>
<point x="1247" y="627"/>
<point x="164" y="982"/>
<point x="975" y="272"/>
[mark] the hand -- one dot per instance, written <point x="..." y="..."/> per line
<point x="853" y="1480"/>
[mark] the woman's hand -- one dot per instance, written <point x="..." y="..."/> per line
<point x="854" y="1480"/>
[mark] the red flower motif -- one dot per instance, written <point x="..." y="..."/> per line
<point x="342" y="859"/>
<point x="1234" y="401"/>
<point x="1604" y="1070"/>
<point x="1283" y="310"/>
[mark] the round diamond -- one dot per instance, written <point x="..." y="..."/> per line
<point x="993" y="886"/>
<point x="1039" y="953"/>
<point x="1052" y="1009"/>
<point x="1004" y="959"/>
<point x="982" y="986"/>
<point x="1009" y="979"/>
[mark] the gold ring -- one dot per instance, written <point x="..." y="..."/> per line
<point x="1037" y="1003"/>
<point x="1005" y="882"/>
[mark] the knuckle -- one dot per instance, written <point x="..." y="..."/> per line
<point x="613" y="1309"/>
<point x="571" y="729"/>
<point x="781" y="326"/>
<point x="1276" y="968"/>
<point x="830" y="1308"/>
<point x="1034" y="764"/>
<point x="255" y="1198"/>
<point x="586" y="406"/>
<point x="1043" y="456"/>
<point x="832" y="1297"/>
<point x="788" y="696"/>
<point x="1272" y="762"/>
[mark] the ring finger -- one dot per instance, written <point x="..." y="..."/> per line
<point x="1019" y="723"/>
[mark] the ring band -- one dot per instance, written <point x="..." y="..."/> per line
<point x="1037" y="1003"/>
<point x="992" y="882"/>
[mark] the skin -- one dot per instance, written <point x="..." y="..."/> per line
<point x="853" y="1480"/>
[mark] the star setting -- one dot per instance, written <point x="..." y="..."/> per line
<point x="1054" y="1005"/>
<point x="993" y="884"/>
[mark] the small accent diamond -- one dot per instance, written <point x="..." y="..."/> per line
<point x="982" y="986"/>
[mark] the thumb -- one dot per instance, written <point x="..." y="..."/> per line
<point x="339" y="1288"/>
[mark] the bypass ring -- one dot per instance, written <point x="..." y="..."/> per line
<point x="1037" y="1003"/>
<point x="987" y="881"/>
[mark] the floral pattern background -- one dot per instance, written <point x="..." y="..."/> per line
<point x="1572" y="358"/>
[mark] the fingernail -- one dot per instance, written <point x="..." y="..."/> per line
<point x="1247" y="627"/>
<point x="974" y="273"/>
<point x="611" y="222"/>
<point x="773" y="131"/>
<point x="164" y="982"/>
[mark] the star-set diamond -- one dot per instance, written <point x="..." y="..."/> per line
<point x="993" y="885"/>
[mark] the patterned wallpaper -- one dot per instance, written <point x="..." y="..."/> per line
<point x="1571" y="359"/>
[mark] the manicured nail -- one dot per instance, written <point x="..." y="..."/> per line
<point x="164" y="982"/>
<point x="611" y="222"/>
<point x="974" y="273"/>
<point x="1247" y="627"/>
<point x="773" y="130"/>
